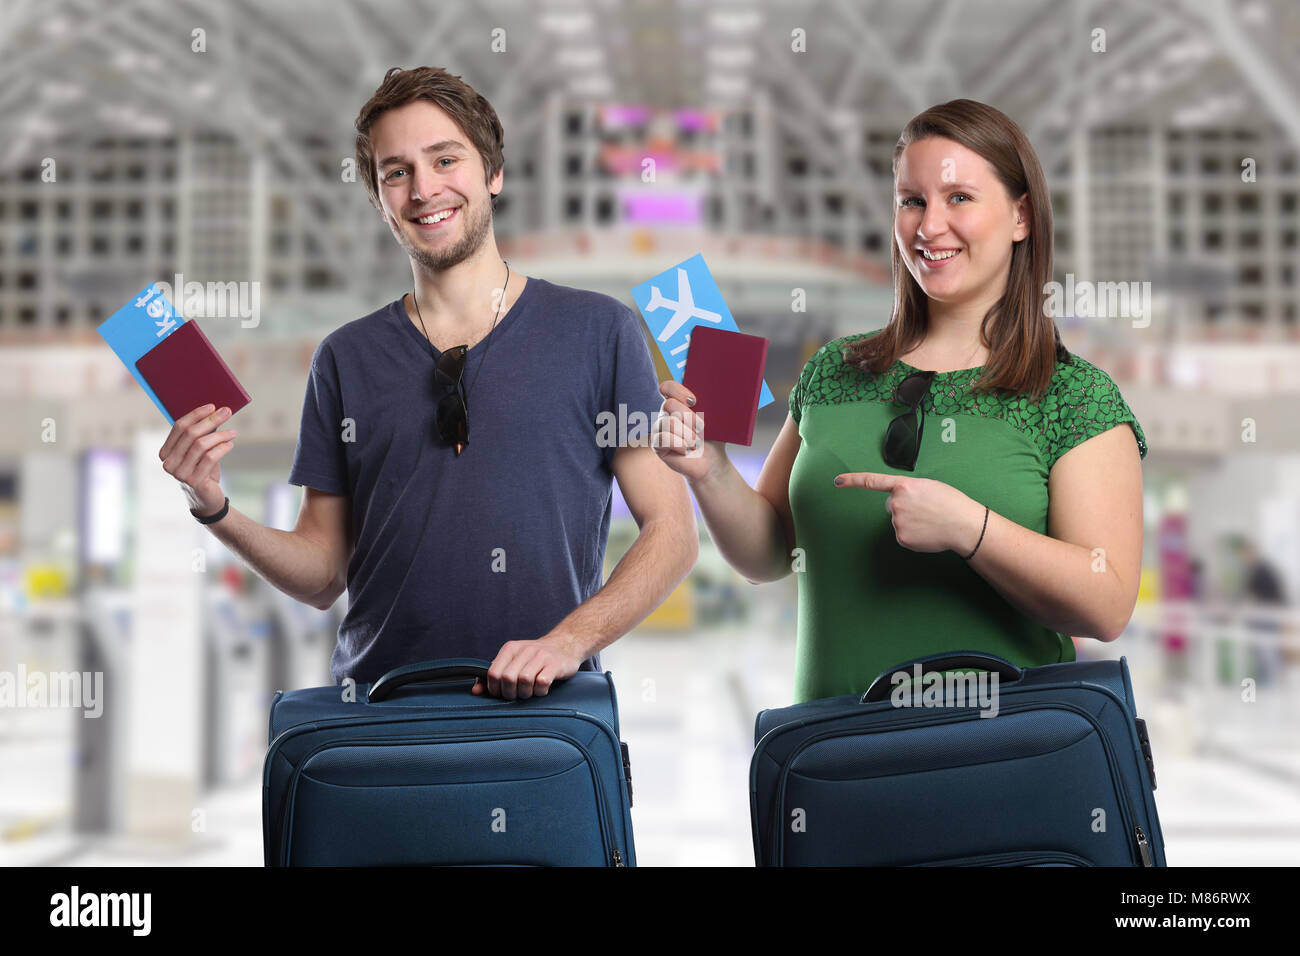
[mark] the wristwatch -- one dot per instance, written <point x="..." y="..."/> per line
<point x="210" y="519"/>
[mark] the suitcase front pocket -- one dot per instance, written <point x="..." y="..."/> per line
<point x="475" y="800"/>
<point x="945" y="788"/>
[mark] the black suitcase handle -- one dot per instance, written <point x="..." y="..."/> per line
<point x="428" y="672"/>
<point x="1006" y="671"/>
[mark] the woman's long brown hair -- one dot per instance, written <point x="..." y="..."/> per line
<point x="1023" y="341"/>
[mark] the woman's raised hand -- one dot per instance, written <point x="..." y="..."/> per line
<point x="678" y="436"/>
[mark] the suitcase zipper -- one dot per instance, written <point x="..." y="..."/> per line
<point x="1143" y="847"/>
<point x="1011" y="858"/>
<point x="606" y="820"/>
<point x="1129" y="819"/>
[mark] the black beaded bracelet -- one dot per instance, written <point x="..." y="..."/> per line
<point x="210" y="519"/>
<point x="982" y="530"/>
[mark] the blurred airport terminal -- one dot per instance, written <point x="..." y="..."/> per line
<point x="144" y="140"/>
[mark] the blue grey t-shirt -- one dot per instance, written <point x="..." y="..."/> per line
<point x="455" y="556"/>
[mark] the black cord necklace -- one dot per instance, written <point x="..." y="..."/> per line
<point x="486" y="348"/>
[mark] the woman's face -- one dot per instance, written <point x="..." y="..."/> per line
<point x="954" y="223"/>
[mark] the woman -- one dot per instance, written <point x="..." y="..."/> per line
<point x="1015" y="519"/>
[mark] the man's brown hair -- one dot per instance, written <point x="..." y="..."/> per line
<point x="1024" y="343"/>
<point x="467" y="109"/>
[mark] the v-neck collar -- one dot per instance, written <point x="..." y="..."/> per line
<point x="398" y="311"/>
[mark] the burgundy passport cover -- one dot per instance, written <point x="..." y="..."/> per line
<point x="185" y="371"/>
<point x="724" y="370"/>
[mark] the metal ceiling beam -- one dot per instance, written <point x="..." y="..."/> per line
<point x="1260" y="73"/>
<point x="886" y="65"/>
<point x="1065" y="101"/>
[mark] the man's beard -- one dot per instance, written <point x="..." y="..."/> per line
<point x="438" y="260"/>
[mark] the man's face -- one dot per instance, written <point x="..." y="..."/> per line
<point x="417" y="181"/>
<point x="951" y="204"/>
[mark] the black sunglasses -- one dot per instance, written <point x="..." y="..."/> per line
<point x="903" y="436"/>
<point x="452" y="417"/>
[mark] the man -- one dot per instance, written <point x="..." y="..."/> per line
<point x="461" y="495"/>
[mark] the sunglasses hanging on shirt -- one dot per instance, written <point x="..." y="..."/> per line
<point x="451" y="420"/>
<point x="903" y="436"/>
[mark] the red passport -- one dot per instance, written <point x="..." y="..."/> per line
<point x="185" y="371"/>
<point x="724" y="370"/>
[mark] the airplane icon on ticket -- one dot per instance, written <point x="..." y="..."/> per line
<point x="684" y="308"/>
<point x="698" y="302"/>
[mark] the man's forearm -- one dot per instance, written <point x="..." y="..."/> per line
<point x="287" y="560"/>
<point x="662" y="555"/>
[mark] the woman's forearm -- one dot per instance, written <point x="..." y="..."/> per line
<point x="1059" y="584"/>
<point x="744" y="526"/>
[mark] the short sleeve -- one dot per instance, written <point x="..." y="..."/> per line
<point x="812" y="379"/>
<point x="1089" y="403"/>
<point x="630" y="382"/>
<point x="319" y="460"/>
<point x="800" y="389"/>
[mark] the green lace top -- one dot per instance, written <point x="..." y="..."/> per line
<point x="865" y="602"/>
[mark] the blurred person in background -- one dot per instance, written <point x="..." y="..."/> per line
<point x="1261" y="587"/>
<point x="454" y="481"/>
<point x="1015" y="520"/>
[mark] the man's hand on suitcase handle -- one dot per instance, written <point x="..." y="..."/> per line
<point x="524" y="669"/>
